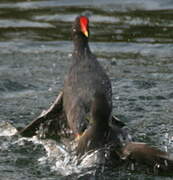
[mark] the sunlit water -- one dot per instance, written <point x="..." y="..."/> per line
<point x="132" y="39"/>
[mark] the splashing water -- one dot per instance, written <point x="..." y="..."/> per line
<point x="6" y="129"/>
<point x="59" y="157"/>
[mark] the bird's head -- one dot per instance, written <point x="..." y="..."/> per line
<point x="81" y="26"/>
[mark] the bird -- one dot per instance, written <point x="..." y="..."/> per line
<point x="87" y="95"/>
<point x="85" y="106"/>
<point x="85" y="78"/>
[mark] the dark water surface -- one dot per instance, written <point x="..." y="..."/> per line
<point x="133" y="39"/>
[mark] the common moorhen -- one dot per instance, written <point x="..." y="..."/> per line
<point x="87" y="102"/>
<point x="85" y="78"/>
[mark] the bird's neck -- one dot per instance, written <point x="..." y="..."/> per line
<point x="81" y="47"/>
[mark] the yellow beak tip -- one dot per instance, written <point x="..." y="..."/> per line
<point x="86" y="33"/>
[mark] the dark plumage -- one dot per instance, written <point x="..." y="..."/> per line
<point x="85" y="78"/>
<point x="100" y="133"/>
<point x="95" y="136"/>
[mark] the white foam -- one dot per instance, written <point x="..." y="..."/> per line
<point x="62" y="160"/>
<point x="6" y="129"/>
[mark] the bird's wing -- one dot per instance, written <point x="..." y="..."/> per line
<point x="52" y="113"/>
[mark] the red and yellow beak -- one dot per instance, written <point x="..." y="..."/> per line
<point x="84" y="25"/>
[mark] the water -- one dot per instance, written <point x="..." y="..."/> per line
<point x="132" y="39"/>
